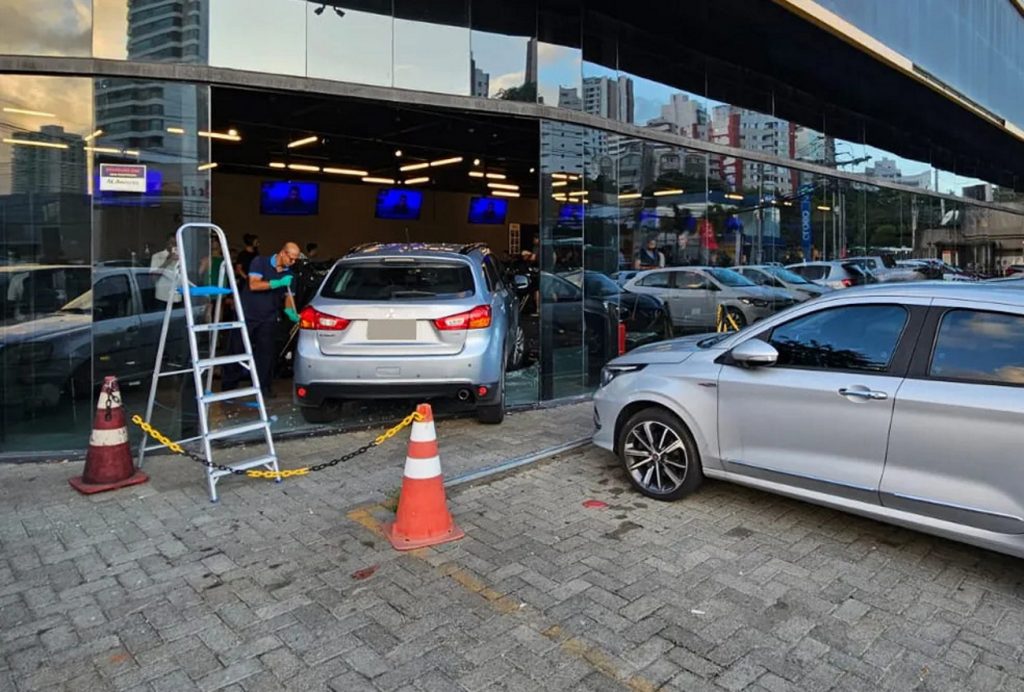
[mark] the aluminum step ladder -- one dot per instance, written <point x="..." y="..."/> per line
<point x="203" y="364"/>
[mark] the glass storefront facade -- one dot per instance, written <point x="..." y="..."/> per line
<point x="708" y="174"/>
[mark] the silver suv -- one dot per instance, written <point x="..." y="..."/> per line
<point x="409" y="320"/>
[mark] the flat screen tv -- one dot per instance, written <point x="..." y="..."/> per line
<point x="287" y="198"/>
<point x="488" y="210"/>
<point x="398" y="203"/>
<point x="571" y="212"/>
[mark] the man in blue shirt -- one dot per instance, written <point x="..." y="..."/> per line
<point x="263" y="300"/>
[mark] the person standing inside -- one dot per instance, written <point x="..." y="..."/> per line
<point x="163" y="265"/>
<point x="267" y="296"/>
<point x="245" y="258"/>
<point x="650" y="257"/>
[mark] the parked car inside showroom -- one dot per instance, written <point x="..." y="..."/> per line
<point x="777" y="276"/>
<point x="693" y="295"/>
<point x="877" y="401"/>
<point x="404" y="320"/>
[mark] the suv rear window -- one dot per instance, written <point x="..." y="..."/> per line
<point x="812" y="272"/>
<point x="384" y="280"/>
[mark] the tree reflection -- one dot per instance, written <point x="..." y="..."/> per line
<point x="814" y="354"/>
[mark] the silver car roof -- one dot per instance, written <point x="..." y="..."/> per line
<point x="979" y="291"/>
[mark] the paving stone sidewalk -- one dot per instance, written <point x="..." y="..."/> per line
<point x="157" y="589"/>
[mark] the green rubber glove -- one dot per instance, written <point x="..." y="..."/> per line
<point x="284" y="282"/>
<point x="292" y="315"/>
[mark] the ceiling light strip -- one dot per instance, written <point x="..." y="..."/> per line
<point x="417" y="181"/>
<point x="345" y="171"/>
<point x="207" y="166"/>
<point x="502" y="186"/>
<point x="229" y="136"/>
<point x="382" y="181"/>
<point x="31" y="143"/>
<point x="304" y="141"/>
<point x="23" y="111"/>
<point x="505" y="193"/>
<point x="303" y="167"/>
<point x="414" y="167"/>
<point x="446" y="162"/>
<point x="672" y="191"/>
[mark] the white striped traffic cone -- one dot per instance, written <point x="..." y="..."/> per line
<point x="422" y="518"/>
<point x="108" y="463"/>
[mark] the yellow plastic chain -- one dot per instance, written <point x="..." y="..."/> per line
<point x="272" y="475"/>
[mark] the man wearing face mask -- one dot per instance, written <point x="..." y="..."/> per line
<point x="268" y="295"/>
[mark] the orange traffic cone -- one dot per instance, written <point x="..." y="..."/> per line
<point x="108" y="463"/>
<point x="422" y="518"/>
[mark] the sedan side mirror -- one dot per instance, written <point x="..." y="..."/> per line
<point x="520" y="282"/>
<point x="754" y="353"/>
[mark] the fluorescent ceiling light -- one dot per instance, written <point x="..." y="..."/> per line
<point x="382" y="181"/>
<point x="504" y="193"/>
<point x="303" y="141"/>
<point x="206" y="166"/>
<point x="673" y="191"/>
<point x="29" y="142"/>
<point x="824" y="207"/>
<point x="230" y="135"/>
<point x="476" y="174"/>
<point x="496" y="176"/>
<point x="630" y="195"/>
<point x="788" y="203"/>
<point x="94" y="135"/>
<point x="580" y="193"/>
<point x="22" y="111"/>
<point x="416" y="181"/>
<point x="103" y="150"/>
<point x="414" y="166"/>
<point x="277" y="164"/>
<point x="304" y="167"/>
<point x="733" y="196"/>
<point x="345" y="171"/>
<point x="502" y="186"/>
<point x="131" y="152"/>
<point x="176" y="130"/>
<point x="559" y="176"/>
<point x="560" y="183"/>
<point x="445" y="162"/>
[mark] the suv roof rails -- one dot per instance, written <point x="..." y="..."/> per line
<point x="470" y="247"/>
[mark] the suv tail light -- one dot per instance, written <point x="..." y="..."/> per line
<point x="846" y="283"/>
<point x="310" y="318"/>
<point x="477" y="318"/>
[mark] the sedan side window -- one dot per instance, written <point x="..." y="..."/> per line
<point x="855" y="337"/>
<point x="112" y="298"/>
<point x="691" y="281"/>
<point x="658" y="280"/>
<point x="979" y="346"/>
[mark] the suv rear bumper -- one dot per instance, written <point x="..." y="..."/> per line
<point x="317" y="393"/>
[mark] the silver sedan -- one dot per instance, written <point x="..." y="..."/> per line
<point x="901" y="402"/>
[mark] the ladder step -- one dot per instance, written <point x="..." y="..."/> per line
<point x="214" y="397"/>
<point x="242" y="358"/>
<point x="237" y="430"/>
<point x="248" y="464"/>
<point x="217" y="326"/>
<point x="208" y="291"/>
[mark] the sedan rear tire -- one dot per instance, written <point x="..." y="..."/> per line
<point x="659" y="455"/>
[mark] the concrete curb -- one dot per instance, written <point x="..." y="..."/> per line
<point x="516" y="463"/>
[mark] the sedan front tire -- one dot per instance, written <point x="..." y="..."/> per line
<point x="659" y="455"/>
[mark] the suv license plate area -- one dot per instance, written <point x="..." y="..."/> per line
<point x="391" y="330"/>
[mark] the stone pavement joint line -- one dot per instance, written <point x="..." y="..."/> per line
<point x="506" y="605"/>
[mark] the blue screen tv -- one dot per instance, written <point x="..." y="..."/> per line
<point x="570" y="212"/>
<point x="285" y="198"/>
<point x="488" y="210"/>
<point x="398" y="203"/>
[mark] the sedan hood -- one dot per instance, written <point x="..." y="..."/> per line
<point x="671" y="351"/>
<point x="56" y="325"/>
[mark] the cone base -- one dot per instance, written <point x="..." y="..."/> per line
<point x="89" y="488"/>
<point x="454" y="533"/>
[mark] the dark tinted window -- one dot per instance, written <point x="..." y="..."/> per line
<point x="147" y="291"/>
<point x="980" y="346"/>
<point x="404" y="280"/>
<point x="112" y="298"/>
<point x="492" y="273"/>
<point x="813" y="273"/>
<point x="857" y="337"/>
<point x="658" y="280"/>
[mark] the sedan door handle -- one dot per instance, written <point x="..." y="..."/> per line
<point x="863" y="394"/>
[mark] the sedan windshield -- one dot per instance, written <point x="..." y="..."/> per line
<point x="787" y="276"/>
<point x="730" y="278"/>
<point x="600" y="286"/>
